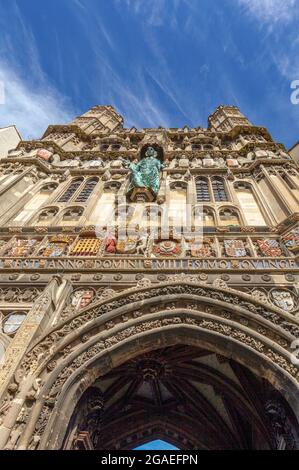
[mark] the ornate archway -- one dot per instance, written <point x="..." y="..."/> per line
<point x="185" y="395"/>
<point x="69" y="359"/>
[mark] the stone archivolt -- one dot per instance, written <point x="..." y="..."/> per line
<point x="243" y="323"/>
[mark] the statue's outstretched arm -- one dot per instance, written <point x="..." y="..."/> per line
<point x="128" y="164"/>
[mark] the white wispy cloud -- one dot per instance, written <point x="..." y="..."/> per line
<point x="153" y="12"/>
<point x="31" y="110"/>
<point x="134" y="97"/>
<point x="29" y="100"/>
<point x="135" y="107"/>
<point x="271" y="11"/>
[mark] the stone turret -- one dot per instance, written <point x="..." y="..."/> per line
<point x="99" y="118"/>
<point x="226" y="118"/>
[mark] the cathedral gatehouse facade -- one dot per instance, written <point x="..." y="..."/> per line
<point x="149" y="287"/>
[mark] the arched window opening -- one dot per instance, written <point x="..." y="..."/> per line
<point x="208" y="218"/>
<point x="249" y="204"/>
<point x="72" y="214"/>
<point x="219" y="190"/>
<point x="288" y="181"/>
<point x="13" y="195"/>
<point x="124" y="213"/>
<point x="69" y="193"/>
<point x="87" y="190"/>
<point x="177" y="209"/>
<point x="202" y="190"/>
<point x="115" y="147"/>
<point x="47" y="216"/>
<point x="104" y="147"/>
<point x="204" y="217"/>
<point x="229" y="217"/>
<point x="104" y="211"/>
<point x="196" y="147"/>
<point x="39" y="199"/>
<point x="152" y="216"/>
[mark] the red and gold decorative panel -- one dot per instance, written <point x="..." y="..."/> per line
<point x="86" y="247"/>
<point x="269" y="247"/>
<point x="167" y="248"/>
<point x="235" y="248"/>
<point x="291" y="240"/>
<point x="57" y="246"/>
<point x="22" y="248"/>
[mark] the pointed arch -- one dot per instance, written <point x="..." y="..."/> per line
<point x="104" y="335"/>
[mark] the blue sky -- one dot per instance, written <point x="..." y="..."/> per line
<point x="157" y="445"/>
<point x="159" y="62"/>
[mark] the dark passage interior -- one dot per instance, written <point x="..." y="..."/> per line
<point x="186" y="396"/>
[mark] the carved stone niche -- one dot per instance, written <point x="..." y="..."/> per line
<point x="85" y="425"/>
<point x="142" y="195"/>
<point x="82" y="441"/>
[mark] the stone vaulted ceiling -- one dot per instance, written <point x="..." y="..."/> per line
<point x="191" y="397"/>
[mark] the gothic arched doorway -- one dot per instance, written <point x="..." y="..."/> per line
<point x="232" y="343"/>
<point x="187" y="396"/>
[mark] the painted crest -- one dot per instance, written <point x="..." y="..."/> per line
<point x="54" y="250"/>
<point x="235" y="248"/>
<point x="127" y="245"/>
<point x="291" y="240"/>
<point x="22" y="248"/>
<point x="44" y="154"/>
<point x="167" y="248"/>
<point x="202" y="249"/>
<point x="81" y="298"/>
<point x="269" y="247"/>
<point x="283" y="299"/>
<point x="57" y="246"/>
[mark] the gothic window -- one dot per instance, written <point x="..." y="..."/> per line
<point x="12" y="323"/>
<point x="219" y="190"/>
<point x="104" y="147"/>
<point x="38" y="199"/>
<point x="47" y="216"/>
<point x="69" y="193"/>
<point x="288" y="181"/>
<point x="229" y="217"/>
<point x="13" y="195"/>
<point x="196" y="147"/>
<point x="208" y="218"/>
<point x="202" y="190"/>
<point x="153" y="216"/>
<point x="177" y="209"/>
<point x="124" y="213"/>
<point x="115" y="147"/>
<point x="103" y="212"/>
<point x="74" y="213"/>
<point x="249" y="204"/>
<point x="87" y="190"/>
<point x="204" y="217"/>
